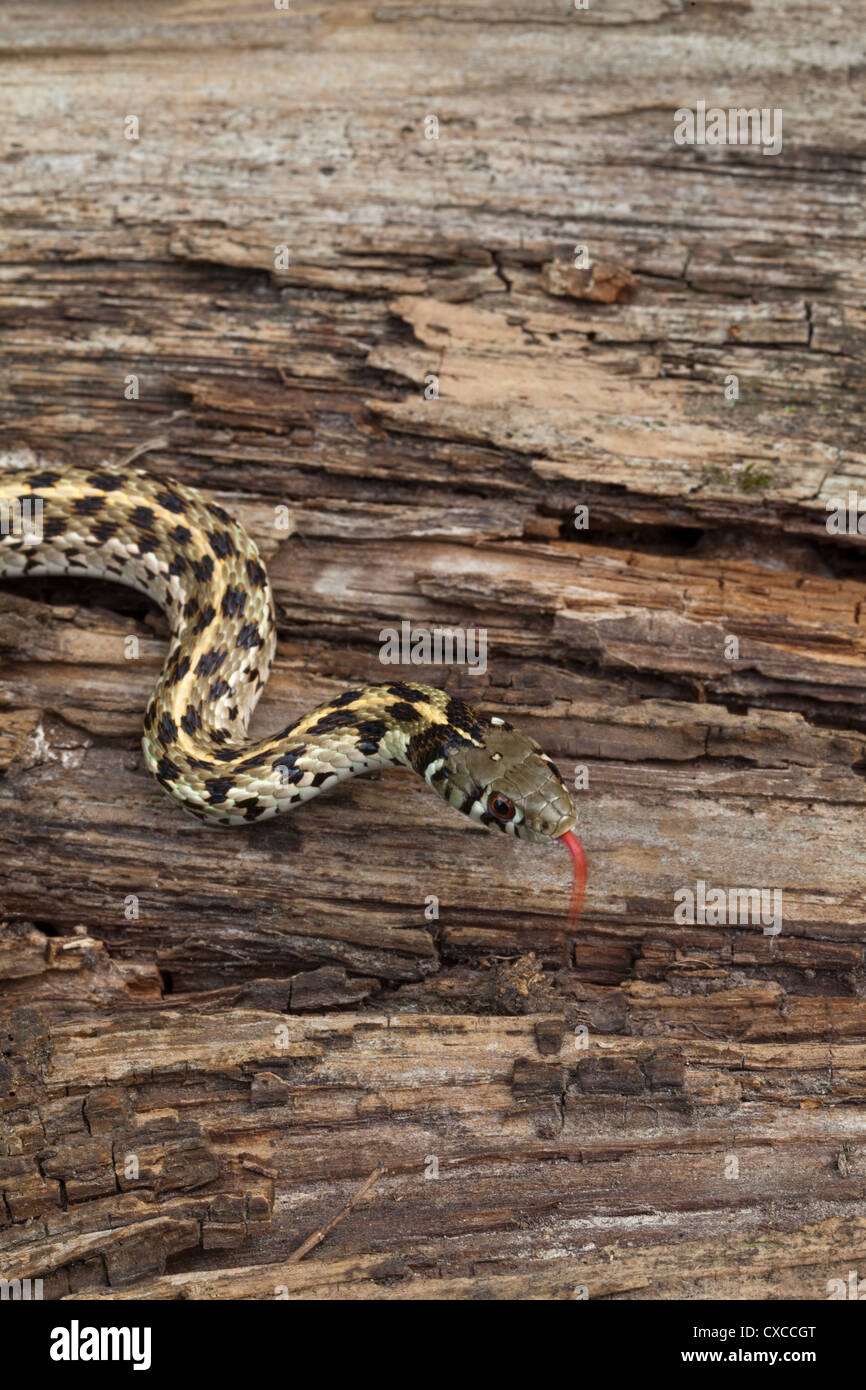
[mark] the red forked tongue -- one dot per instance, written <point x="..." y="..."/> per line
<point x="575" y="849"/>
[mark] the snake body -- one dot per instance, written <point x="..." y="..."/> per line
<point x="201" y="567"/>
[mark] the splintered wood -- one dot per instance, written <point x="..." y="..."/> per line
<point x="532" y="369"/>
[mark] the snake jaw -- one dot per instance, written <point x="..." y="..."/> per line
<point x="575" y="849"/>
<point x="501" y="777"/>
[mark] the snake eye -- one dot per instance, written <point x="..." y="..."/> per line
<point x="500" y="806"/>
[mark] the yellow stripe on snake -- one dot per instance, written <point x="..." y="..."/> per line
<point x="200" y="566"/>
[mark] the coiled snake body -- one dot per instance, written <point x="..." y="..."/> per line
<point x="201" y="567"/>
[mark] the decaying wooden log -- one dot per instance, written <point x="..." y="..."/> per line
<point x="271" y="1065"/>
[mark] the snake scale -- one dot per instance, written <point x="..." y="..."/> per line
<point x="200" y="566"/>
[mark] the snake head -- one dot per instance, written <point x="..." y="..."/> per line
<point x="507" y="781"/>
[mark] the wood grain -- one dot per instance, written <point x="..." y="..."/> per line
<point x="212" y="1042"/>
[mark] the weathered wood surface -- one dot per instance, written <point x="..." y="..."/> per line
<point x="281" y="1018"/>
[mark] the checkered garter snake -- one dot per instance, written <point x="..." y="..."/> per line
<point x="199" y="565"/>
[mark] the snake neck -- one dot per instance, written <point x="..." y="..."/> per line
<point x="370" y="727"/>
